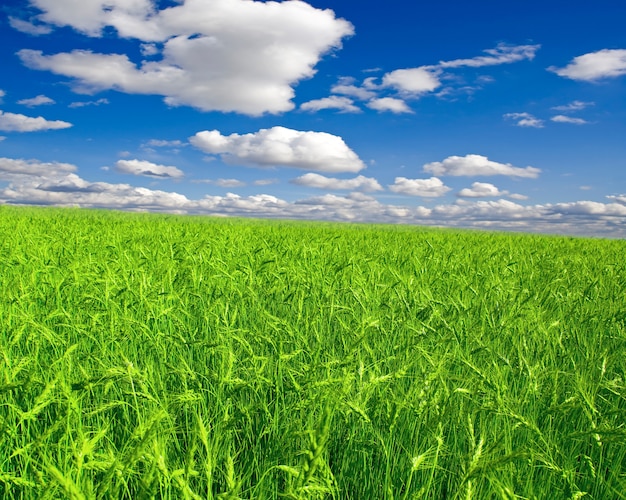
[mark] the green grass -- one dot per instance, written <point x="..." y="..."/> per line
<point x="146" y="356"/>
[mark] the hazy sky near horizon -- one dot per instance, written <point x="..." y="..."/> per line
<point x="491" y="114"/>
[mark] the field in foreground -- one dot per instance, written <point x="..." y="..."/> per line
<point x="158" y="356"/>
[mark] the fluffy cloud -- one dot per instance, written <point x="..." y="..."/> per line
<point x="525" y="120"/>
<point x="281" y="147"/>
<point x="606" y="63"/>
<point x="481" y="190"/>
<point x="35" y="182"/>
<point x="148" y="169"/>
<point x="470" y="165"/>
<point x="413" y="80"/>
<point x="258" y="50"/>
<point x="426" y="188"/>
<point x="12" y="122"/>
<point x="9" y="168"/>
<point x="359" y="183"/>
<point x="343" y="104"/>
<point x="36" y="101"/>
<point x="568" y="119"/>
<point x="391" y="104"/>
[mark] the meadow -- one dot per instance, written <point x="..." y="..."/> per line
<point x="160" y="356"/>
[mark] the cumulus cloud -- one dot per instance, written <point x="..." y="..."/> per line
<point x="13" y="122"/>
<point x="481" y="190"/>
<point x="343" y="104"/>
<point x="391" y="104"/>
<point x="413" y="80"/>
<point x="426" y="188"/>
<point x="471" y="165"/>
<point x="82" y="104"/>
<point x="606" y="63"/>
<point x="257" y="50"/>
<point x="148" y="169"/>
<point x="359" y="183"/>
<point x="573" y="106"/>
<point x="568" y="119"/>
<point x="29" y="27"/>
<point x="36" y="101"/>
<point x="281" y="147"/>
<point x="525" y="120"/>
<point x="53" y="183"/>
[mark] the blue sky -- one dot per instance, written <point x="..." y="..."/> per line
<point x="493" y="115"/>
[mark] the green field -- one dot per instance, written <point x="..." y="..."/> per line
<point x="151" y="356"/>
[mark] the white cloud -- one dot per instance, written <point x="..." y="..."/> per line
<point x="568" y="119"/>
<point x="149" y="49"/>
<point x="35" y="168"/>
<point x="148" y="169"/>
<point x="36" y="101"/>
<point x="346" y="86"/>
<point x="343" y="104"/>
<point x="225" y="183"/>
<point x="412" y="81"/>
<point x="481" y="190"/>
<point x="2" y="138"/>
<point x="525" y="120"/>
<point x="82" y="104"/>
<point x="158" y="143"/>
<point x="606" y="63"/>
<point x="426" y="188"/>
<point x="12" y="122"/>
<point x="281" y="147"/>
<point x="53" y="183"/>
<point x="471" y="165"/>
<point x="29" y="27"/>
<point x="257" y="50"/>
<point x="618" y="198"/>
<point x="573" y="106"/>
<point x="391" y="104"/>
<point x="501" y="54"/>
<point x="265" y="182"/>
<point x="359" y="183"/>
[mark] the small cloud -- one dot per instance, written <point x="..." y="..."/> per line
<point x="2" y="94"/>
<point x="481" y="190"/>
<point x="573" y="106"/>
<point x="12" y="122"/>
<point x="158" y="143"/>
<point x="391" y="104"/>
<point x="36" y="101"/>
<point x="149" y="49"/>
<point x="471" y="165"/>
<point x="425" y="188"/>
<point x="89" y="103"/>
<point x="148" y="169"/>
<point x="413" y="81"/>
<point x="585" y="188"/>
<point x="281" y="147"/>
<point x="525" y="120"/>
<point x="594" y="66"/>
<point x="343" y="104"/>
<point x="359" y="183"/>
<point x="265" y="182"/>
<point x="568" y="119"/>
<point x="2" y="138"/>
<point x="618" y="198"/>
<point x="28" y="27"/>
<point x="346" y="86"/>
